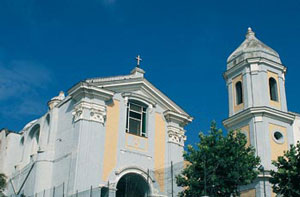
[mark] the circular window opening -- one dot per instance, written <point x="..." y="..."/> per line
<point x="278" y="137"/>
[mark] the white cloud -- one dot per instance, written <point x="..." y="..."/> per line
<point x="22" y="77"/>
<point x="22" y="84"/>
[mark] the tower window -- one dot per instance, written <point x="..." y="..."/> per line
<point x="136" y="118"/>
<point x="239" y="93"/>
<point x="278" y="137"/>
<point x="273" y="89"/>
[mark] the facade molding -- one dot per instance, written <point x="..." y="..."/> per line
<point x="181" y="119"/>
<point x="136" y="170"/>
<point x="126" y="83"/>
<point x="254" y="60"/>
<point x="259" y="112"/>
<point x="89" y="111"/>
<point x="176" y="135"/>
<point x="139" y="97"/>
<point x="83" y="89"/>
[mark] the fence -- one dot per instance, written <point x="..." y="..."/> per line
<point x="163" y="179"/>
<point x="60" y="191"/>
<point x="167" y="177"/>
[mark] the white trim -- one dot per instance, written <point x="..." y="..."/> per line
<point x="259" y="111"/>
<point x="172" y="116"/>
<point x="149" y="88"/>
<point x="136" y="170"/>
<point x="138" y="97"/>
<point x="249" y="61"/>
<point x="85" y="88"/>
<point x="89" y="111"/>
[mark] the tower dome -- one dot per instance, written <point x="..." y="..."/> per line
<point x="252" y="48"/>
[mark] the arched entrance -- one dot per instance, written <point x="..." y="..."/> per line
<point x="132" y="185"/>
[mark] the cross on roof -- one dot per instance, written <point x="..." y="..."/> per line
<point x="138" y="59"/>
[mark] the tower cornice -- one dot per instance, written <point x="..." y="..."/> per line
<point x="254" y="112"/>
<point x="259" y="60"/>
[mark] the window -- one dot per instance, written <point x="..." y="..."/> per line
<point x="273" y="89"/>
<point x="136" y="118"/>
<point x="278" y="137"/>
<point x="239" y="93"/>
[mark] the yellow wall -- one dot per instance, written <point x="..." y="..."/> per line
<point x="248" y="193"/>
<point x="276" y="148"/>
<point x="236" y="107"/>
<point x="274" y="103"/>
<point x="159" y="150"/>
<point x="111" y="139"/>
<point x="246" y="131"/>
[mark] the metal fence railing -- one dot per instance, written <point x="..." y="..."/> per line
<point x="164" y="180"/>
<point x="60" y="191"/>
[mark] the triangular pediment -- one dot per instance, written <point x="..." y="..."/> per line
<point x="138" y="86"/>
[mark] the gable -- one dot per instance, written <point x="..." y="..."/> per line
<point x="140" y="87"/>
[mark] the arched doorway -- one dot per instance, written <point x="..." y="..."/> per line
<point x="132" y="185"/>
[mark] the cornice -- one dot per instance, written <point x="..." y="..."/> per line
<point x="181" y="119"/>
<point x="259" y="111"/>
<point x="129" y="83"/>
<point x="84" y="89"/>
<point x="170" y="104"/>
<point x="253" y="60"/>
<point x="145" y="85"/>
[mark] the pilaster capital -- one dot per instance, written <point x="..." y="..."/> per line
<point x="176" y="135"/>
<point x="89" y="111"/>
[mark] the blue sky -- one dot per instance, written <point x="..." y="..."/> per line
<point x="48" y="46"/>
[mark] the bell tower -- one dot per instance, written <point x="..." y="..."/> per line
<point x="255" y="78"/>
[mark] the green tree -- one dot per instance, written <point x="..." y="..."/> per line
<point x="286" y="179"/>
<point x="2" y="183"/>
<point x="219" y="165"/>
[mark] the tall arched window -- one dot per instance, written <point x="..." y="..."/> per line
<point x="136" y="118"/>
<point x="239" y="93"/>
<point x="273" y="89"/>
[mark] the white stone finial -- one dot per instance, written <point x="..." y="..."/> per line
<point x="250" y="33"/>
<point x="55" y="100"/>
<point x="61" y="95"/>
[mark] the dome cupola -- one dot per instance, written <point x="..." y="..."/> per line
<point x="252" y="48"/>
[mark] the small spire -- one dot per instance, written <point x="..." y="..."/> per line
<point x="250" y="33"/>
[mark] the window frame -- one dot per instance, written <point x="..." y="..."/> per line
<point x="237" y="96"/>
<point x="142" y="120"/>
<point x="273" y="86"/>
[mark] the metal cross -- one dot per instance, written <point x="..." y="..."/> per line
<point x="138" y="59"/>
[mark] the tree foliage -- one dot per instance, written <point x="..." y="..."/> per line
<point x="219" y="165"/>
<point x="286" y="180"/>
<point x="2" y="183"/>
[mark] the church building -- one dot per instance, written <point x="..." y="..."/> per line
<point x="115" y="136"/>
<point x="121" y="136"/>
